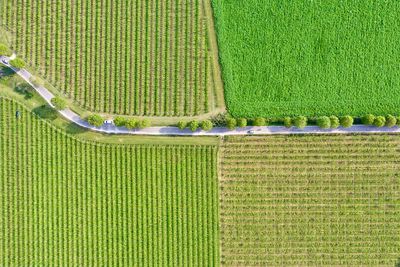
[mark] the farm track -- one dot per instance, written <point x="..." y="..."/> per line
<point x="217" y="131"/>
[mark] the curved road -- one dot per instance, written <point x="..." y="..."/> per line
<point x="217" y="131"/>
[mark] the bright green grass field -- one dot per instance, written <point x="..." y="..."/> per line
<point x="282" y="57"/>
<point x="65" y="202"/>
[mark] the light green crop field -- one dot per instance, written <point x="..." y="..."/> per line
<point x="65" y="202"/>
<point x="124" y="57"/>
<point x="310" y="201"/>
<point x="303" y="57"/>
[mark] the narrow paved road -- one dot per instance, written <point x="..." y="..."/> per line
<point x="217" y="131"/>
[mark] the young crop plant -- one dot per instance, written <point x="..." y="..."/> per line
<point x="379" y="121"/>
<point x="17" y="63"/>
<point x="231" y="123"/>
<point x="206" y="125"/>
<point x="390" y="121"/>
<point x="4" y="50"/>
<point x="241" y="122"/>
<point x="346" y="121"/>
<point x="193" y="125"/>
<point x="368" y="119"/>
<point x="120" y="121"/>
<point x="300" y="122"/>
<point x="287" y="122"/>
<point x="324" y="122"/>
<point x="335" y="122"/>
<point x="59" y="103"/>
<point x="95" y="120"/>
<point x="182" y="125"/>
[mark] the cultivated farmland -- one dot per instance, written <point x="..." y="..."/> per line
<point x="124" y="57"/>
<point x="67" y="202"/>
<point x="302" y="57"/>
<point x="310" y="201"/>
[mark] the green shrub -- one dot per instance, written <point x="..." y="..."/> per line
<point x="231" y="123"/>
<point x="120" y="121"/>
<point x="300" y="122"/>
<point x="59" y="103"/>
<point x="193" y="125"/>
<point x="379" y="121"/>
<point x="287" y="122"/>
<point x="145" y="123"/>
<point x="398" y="120"/>
<point x="131" y="123"/>
<point x="182" y="125"/>
<point x="242" y="122"/>
<point x="346" y="121"/>
<point x="95" y="120"/>
<point x="206" y="125"/>
<point x="4" y="50"/>
<point x="324" y="122"/>
<point x="368" y="119"/>
<point x="259" y="122"/>
<point x="390" y="121"/>
<point x="335" y="123"/>
<point x="17" y="63"/>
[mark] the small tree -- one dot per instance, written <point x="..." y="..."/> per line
<point x="59" y="103"/>
<point x="120" y="121"/>
<point x="335" y="123"/>
<point x="287" y="122"/>
<point x="17" y="63"/>
<point x="379" y="121"/>
<point x="145" y="123"/>
<point x="231" y="123"/>
<point x="131" y="123"/>
<point x="346" y="121"/>
<point x="398" y="120"/>
<point x="193" y="125"/>
<point x="4" y="50"/>
<point x="182" y="125"/>
<point x="206" y="125"/>
<point x="324" y="122"/>
<point x="242" y="122"/>
<point x="391" y="120"/>
<point x="300" y="122"/>
<point x="95" y="120"/>
<point x="368" y="119"/>
<point x="259" y="122"/>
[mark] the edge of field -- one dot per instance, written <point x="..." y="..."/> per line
<point x="39" y="107"/>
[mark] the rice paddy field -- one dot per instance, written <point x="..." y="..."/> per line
<point x="302" y="57"/>
<point x="123" y="57"/>
<point x="68" y="202"/>
<point x="310" y="201"/>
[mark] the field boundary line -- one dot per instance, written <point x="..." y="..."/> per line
<point x="175" y="131"/>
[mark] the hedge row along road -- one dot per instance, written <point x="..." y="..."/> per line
<point x="167" y="130"/>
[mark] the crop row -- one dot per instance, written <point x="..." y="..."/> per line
<point x="309" y="200"/>
<point x="68" y="202"/>
<point x="124" y="57"/>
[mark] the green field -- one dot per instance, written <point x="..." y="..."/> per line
<point x="67" y="202"/>
<point x="125" y="57"/>
<point x="303" y="57"/>
<point x="310" y="201"/>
